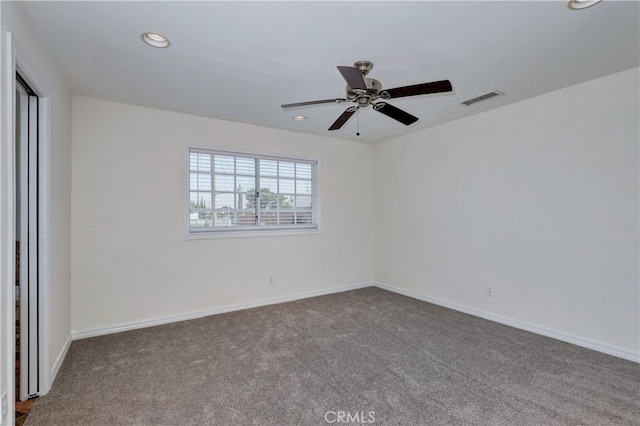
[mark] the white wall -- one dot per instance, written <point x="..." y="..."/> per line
<point x="25" y="36"/>
<point x="130" y="259"/>
<point x="538" y="199"/>
<point x="7" y="332"/>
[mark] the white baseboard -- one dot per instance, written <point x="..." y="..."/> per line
<point x="558" y="335"/>
<point x="55" y="368"/>
<point x="83" y="334"/>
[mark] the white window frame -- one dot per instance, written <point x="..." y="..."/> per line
<point x="249" y="230"/>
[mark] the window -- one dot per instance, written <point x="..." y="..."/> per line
<point x="231" y="192"/>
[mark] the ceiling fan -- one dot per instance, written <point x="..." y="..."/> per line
<point x="365" y="91"/>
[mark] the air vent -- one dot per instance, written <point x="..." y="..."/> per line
<point x="482" y="97"/>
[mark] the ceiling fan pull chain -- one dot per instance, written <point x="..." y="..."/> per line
<point x="358" y="122"/>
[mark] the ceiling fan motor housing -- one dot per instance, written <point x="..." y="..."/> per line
<point x="364" y="97"/>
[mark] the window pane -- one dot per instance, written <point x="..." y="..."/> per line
<point x="246" y="218"/>
<point x="268" y="217"/>
<point x="200" y="209"/>
<point x="225" y="217"/>
<point x="287" y="169"/>
<point x="286" y="213"/>
<point x="287" y="217"/>
<point x="287" y="186"/>
<point x="223" y="164"/>
<point x="303" y="187"/>
<point x="245" y="166"/>
<point x="225" y="201"/>
<point x="200" y="182"/>
<point x="304" y="217"/>
<point x="199" y="162"/>
<point x="199" y="200"/>
<point x="285" y="202"/>
<point x="303" y="201"/>
<point x="247" y="200"/>
<point x="268" y="200"/>
<point x="268" y="168"/>
<point x="269" y="184"/>
<point x="245" y="182"/>
<point x="303" y="170"/>
<point x="224" y="183"/>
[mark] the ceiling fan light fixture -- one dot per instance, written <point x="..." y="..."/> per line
<point x="581" y="4"/>
<point x="300" y="118"/>
<point x="155" y="39"/>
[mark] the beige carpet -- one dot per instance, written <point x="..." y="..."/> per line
<point x="365" y="356"/>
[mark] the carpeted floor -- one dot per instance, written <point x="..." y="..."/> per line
<point x="365" y="356"/>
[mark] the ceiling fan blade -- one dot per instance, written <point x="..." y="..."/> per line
<point x="322" y="101"/>
<point x="420" y="89"/>
<point x="353" y="76"/>
<point x="346" y="115"/>
<point x="395" y="113"/>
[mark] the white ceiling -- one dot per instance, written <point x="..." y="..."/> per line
<point x="240" y="61"/>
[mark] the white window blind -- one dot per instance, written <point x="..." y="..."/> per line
<point x="243" y="192"/>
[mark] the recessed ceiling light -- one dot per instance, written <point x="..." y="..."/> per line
<point x="581" y="4"/>
<point x="155" y="39"/>
<point x="300" y="118"/>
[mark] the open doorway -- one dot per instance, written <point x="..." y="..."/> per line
<point x="27" y="247"/>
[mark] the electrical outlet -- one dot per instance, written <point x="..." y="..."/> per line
<point x="489" y="291"/>
<point x="270" y="279"/>
<point x="4" y="408"/>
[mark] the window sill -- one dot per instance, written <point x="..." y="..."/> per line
<point x="250" y="233"/>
